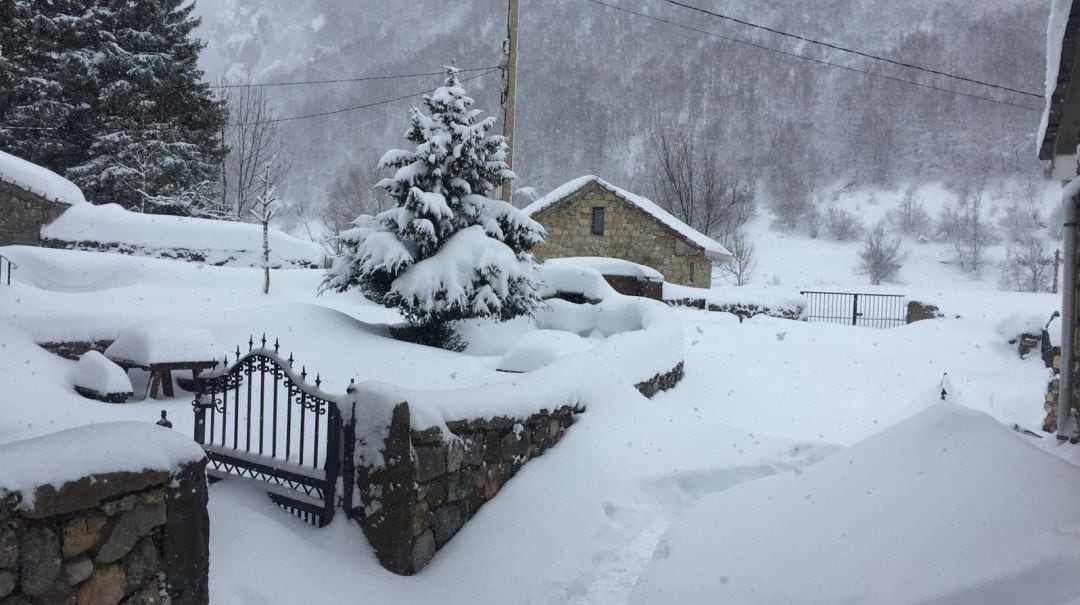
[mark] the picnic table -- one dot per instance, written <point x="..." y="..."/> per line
<point x="160" y="350"/>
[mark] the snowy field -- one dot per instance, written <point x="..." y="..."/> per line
<point x="793" y="455"/>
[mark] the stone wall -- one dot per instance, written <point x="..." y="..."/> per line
<point x="742" y="310"/>
<point x="23" y="214"/>
<point x="430" y="484"/>
<point x="661" y="382"/>
<point x="217" y="258"/>
<point x="74" y="349"/>
<point x="139" y="538"/>
<point x="629" y="233"/>
<point x="636" y="286"/>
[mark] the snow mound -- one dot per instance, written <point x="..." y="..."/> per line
<point x="778" y="299"/>
<point x="573" y="278"/>
<point x="608" y="266"/>
<point x="158" y="342"/>
<point x="712" y="248"/>
<point x="96" y="449"/>
<point x="96" y="373"/>
<point x="39" y="180"/>
<point x="1021" y="323"/>
<point x="947" y="506"/>
<point x="212" y="241"/>
<point x="537" y="349"/>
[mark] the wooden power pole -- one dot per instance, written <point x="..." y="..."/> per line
<point x="510" y="50"/>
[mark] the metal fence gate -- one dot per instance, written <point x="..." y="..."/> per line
<point x="258" y="419"/>
<point x="866" y="310"/>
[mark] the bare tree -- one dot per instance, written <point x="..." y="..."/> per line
<point x="352" y="194"/>
<point x="1029" y="266"/>
<point x="974" y="232"/>
<point x="881" y="258"/>
<point x="263" y="210"/>
<point x="692" y="184"/>
<point x="910" y="216"/>
<point x="740" y="269"/>
<point x="255" y="148"/>
<point x="843" y="225"/>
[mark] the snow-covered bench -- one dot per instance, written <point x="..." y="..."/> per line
<point x="162" y="349"/>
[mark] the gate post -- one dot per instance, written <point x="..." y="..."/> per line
<point x="348" y="465"/>
<point x="855" y="310"/>
<point x="333" y="463"/>
<point x="200" y="419"/>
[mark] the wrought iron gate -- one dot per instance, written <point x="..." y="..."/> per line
<point x="258" y="419"/>
<point x="867" y="310"/>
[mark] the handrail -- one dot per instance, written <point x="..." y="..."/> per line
<point x="10" y="265"/>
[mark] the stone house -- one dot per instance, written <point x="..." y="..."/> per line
<point x="30" y="198"/>
<point x="591" y="217"/>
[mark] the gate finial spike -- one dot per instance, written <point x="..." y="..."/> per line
<point x="264" y="340"/>
<point x="251" y="342"/>
<point x="237" y="352"/>
<point x="277" y="346"/>
<point x="290" y="360"/>
<point x="318" y="380"/>
<point x="303" y="373"/>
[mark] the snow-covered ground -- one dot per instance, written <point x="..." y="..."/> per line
<point x="768" y="409"/>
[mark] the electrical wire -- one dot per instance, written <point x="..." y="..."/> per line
<point x="813" y="60"/>
<point x="856" y="52"/>
<point x="341" y="80"/>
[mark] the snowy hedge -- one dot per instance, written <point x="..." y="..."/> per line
<point x="110" y="228"/>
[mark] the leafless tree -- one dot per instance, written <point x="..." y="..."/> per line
<point x="881" y="258"/>
<point x="843" y="225"/>
<point x="1029" y="266"/>
<point x="692" y="184"/>
<point x="972" y="231"/>
<point x="353" y="193"/>
<point x="263" y="210"/>
<point x="740" y="269"/>
<point x="910" y="216"/>
<point x="255" y="148"/>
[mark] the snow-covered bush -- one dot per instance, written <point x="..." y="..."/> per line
<point x="881" y="258"/>
<point x="843" y="225"/>
<point x="446" y="251"/>
<point x="910" y="216"/>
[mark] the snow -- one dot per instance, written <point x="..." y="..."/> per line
<point x="922" y="512"/>
<point x="1055" y="36"/>
<point x="95" y="372"/>
<point x="39" y="180"/>
<point x="1016" y="324"/>
<point x="91" y="450"/>
<point x="712" y="248"/>
<point x="157" y="342"/>
<point x="539" y="348"/>
<point x="608" y="266"/>
<point x="573" y="278"/>
<point x="223" y="242"/>
<point x="777" y="298"/>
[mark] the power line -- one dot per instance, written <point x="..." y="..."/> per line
<point x="341" y="80"/>
<point x="813" y="60"/>
<point x="358" y="107"/>
<point x="856" y="52"/>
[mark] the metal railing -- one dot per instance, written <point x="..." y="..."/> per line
<point x="6" y="262"/>
<point x="856" y="309"/>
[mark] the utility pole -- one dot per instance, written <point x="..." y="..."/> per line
<point x="1057" y="267"/>
<point x="510" y="50"/>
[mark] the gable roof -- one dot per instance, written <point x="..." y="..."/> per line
<point x="38" y="180"/>
<point x="712" y="248"/>
<point x="1062" y="44"/>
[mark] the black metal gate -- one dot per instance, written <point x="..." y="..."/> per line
<point x="258" y="419"/>
<point x="866" y="310"/>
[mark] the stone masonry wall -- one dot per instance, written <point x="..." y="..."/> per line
<point x="430" y="484"/>
<point x="139" y="538"/>
<point x="23" y="214"/>
<point x="741" y="310"/>
<point x="629" y="233"/>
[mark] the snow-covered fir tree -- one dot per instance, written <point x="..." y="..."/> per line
<point x="447" y="251"/>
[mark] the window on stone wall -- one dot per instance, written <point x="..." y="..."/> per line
<point x="598" y="221"/>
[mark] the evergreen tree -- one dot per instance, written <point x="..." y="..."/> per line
<point x="446" y="251"/>
<point x="156" y="146"/>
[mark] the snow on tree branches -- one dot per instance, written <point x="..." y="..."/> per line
<point x="447" y="251"/>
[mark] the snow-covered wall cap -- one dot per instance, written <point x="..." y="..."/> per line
<point x="713" y="249"/>
<point x="1055" y="38"/>
<point x="96" y="449"/>
<point x="112" y="224"/>
<point x="38" y="180"/>
<point x="608" y="266"/>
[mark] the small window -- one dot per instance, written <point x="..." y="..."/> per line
<point x="598" y="221"/>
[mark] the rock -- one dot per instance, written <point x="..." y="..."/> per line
<point x="492" y="446"/>
<point x="421" y="518"/>
<point x="494" y="476"/>
<point x="459" y="485"/>
<point x="149" y="516"/>
<point x="124" y="535"/>
<point x="120" y="506"/>
<point x="512" y="447"/>
<point x="153" y="496"/>
<point x="9" y="549"/>
<point x="150" y="594"/>
<point x="446" y="522"/>
<point x="474" y="451"/>
<point x="141" y="564"/>
<point x="433" y="493"/>
<point x="455" y="455"/>
<point x="40" y="560"/>
<point x="90" y="491"/>
<point x="7" y="583"/>
<point x="82" y="533"/>
<point x="423" y="550"/>
<point x="430" y="462"/>
<point x="59" y="594"/>
<point x="78" y="570"/>
<point x="105" y="587"/>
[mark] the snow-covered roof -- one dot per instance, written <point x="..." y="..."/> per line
<point x="609" y="266"/>
<point x="1060" y="11"/>
<point x="712" y="248"/>
<point x="38" y="180"/>
<point x="112" y="224"/>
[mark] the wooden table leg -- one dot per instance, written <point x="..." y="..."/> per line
<point x="166" y="377"/>
<point x="155" y="380"/>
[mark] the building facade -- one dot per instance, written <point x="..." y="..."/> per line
<point x="23" y="213"/>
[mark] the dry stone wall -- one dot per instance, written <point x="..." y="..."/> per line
<point x="138" y="538"/>
<point x="629" y="233"/>
<point x="431" y="483"/>
<point x="742" y="310"/>
<point x="23" y="214"/>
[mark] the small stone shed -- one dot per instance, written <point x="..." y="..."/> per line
<point x="30" y="198"/>
<point x="591" y="217"/>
